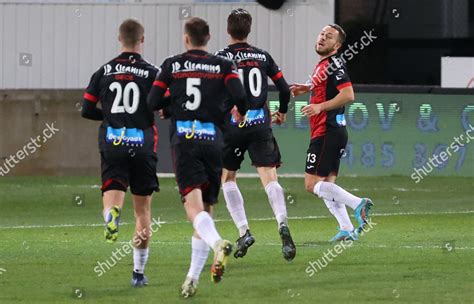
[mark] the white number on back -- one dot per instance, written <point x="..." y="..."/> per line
<point x="255" y="81"/>
<point x="131" y="88"/>
<point x="192" y="89"/>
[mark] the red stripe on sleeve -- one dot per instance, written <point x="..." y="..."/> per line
<point x="160" y="84"/>
<point x="91" y="97"/>
<point x="167" y="93"/>
<point x="155" y="138"/>
<point x="229" y="76"/>
<point x="277" y="76"/>
<point x="343" y="85"/>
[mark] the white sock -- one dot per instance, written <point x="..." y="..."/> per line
<point x="276" y="197"/>
<point x="106" y="214"/>
<point x="340" y="213"/>
<point x="235" y="205"/>
<point x="204" y="225"/>
<point x="200" y="252"/>
<point x="140" y="257"/>
<point x="332" y="192"/>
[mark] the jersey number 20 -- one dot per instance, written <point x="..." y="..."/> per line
<point x="130" y="91"/>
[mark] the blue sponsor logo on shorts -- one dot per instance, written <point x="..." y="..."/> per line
<point x="252" y="117"/>
<point x="341" y="120"/>
<point x="124" y="136"/>
<point x="195" y="129"/>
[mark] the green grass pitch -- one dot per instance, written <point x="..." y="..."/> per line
<point x="420" y="250"/>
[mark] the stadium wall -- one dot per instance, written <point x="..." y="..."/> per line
<point x="390" y="133"/>
<point x="59" y="46"/>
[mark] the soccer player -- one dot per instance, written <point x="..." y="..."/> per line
<point x="127" y="139"/>
<point x="198" y="84"/>
<point x="331" y="89"/>
<point x="255" y="133"/>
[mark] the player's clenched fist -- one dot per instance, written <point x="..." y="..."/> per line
<point x="278" y="118"/>
<point x="236" y="115"/>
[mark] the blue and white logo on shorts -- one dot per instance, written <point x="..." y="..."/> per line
<point x="341" y="120"/>
<point x="124" y="136"/>
<point x="252" y="117"/>
<point x="194" y="129"/>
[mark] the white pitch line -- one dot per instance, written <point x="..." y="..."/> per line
<point x="417" y="247"/>
<point x="328" y="244"/>
<point x="310" y="217"/>
<point x="57" y="226"/>
<point x="309" y="244"/>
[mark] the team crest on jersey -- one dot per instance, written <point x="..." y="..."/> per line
<point x="341" y="120"/>
<point x="253" y="117"/>
<point x="194" y="129"/>
<point x="123" y="136"/>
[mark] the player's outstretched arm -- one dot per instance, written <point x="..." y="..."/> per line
<point x="157" y="98"/>
<point x="90" y="111"/>
<point x="91" y="98"/>
<point x="279" y="116"/>
<point x="237" y="94"/>
<point x="299" y="89"/>
<point x="284" y="89"/>
<point x="345" y="96"/>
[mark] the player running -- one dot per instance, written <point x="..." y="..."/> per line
<point x="127" y="139"/>
<point x="198" y="84"/>
<point x="331" y="89"/>
<point x="255" y="133"/>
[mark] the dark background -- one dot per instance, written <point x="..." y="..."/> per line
<point x="413" y="35"/>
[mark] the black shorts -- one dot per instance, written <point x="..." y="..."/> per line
<point x="261" y="144"/>
<point x="325" y="152"/>
<point x="132" y="167"/>
<point x="198" y="166"/>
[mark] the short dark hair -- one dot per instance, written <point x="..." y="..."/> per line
<point x="239" y="23"/>
<point x="131" y="32"/>
<point x="198" y="31"/>
<point x="342" y="35"/>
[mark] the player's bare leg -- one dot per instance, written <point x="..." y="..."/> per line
<point x="276" y="197"/>
<point x="199" y="255"/>
<point x="141" y="239"/>
<point x="113" y="203"/>
<point x="204" y="226"/>
<point x="235" y="206"/>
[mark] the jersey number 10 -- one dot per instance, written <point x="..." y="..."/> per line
<point x="130" y="91"/>
<point x="254" y="79"/>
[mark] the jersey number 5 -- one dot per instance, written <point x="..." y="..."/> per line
<point x="132" y="91"/>
<point x="192" y="89"/>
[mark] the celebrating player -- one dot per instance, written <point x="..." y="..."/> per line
<point x="127" y="139"/>
<point x="331" y="89"/>
<point x="198" y="84"/>
<point x="255" y="133"/>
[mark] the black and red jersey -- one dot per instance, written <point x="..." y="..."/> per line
<point x="329" y="76"/>
<point x="254" y="65"/>
<point x="198" y="84"/>
<point x="122" y="86"/>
